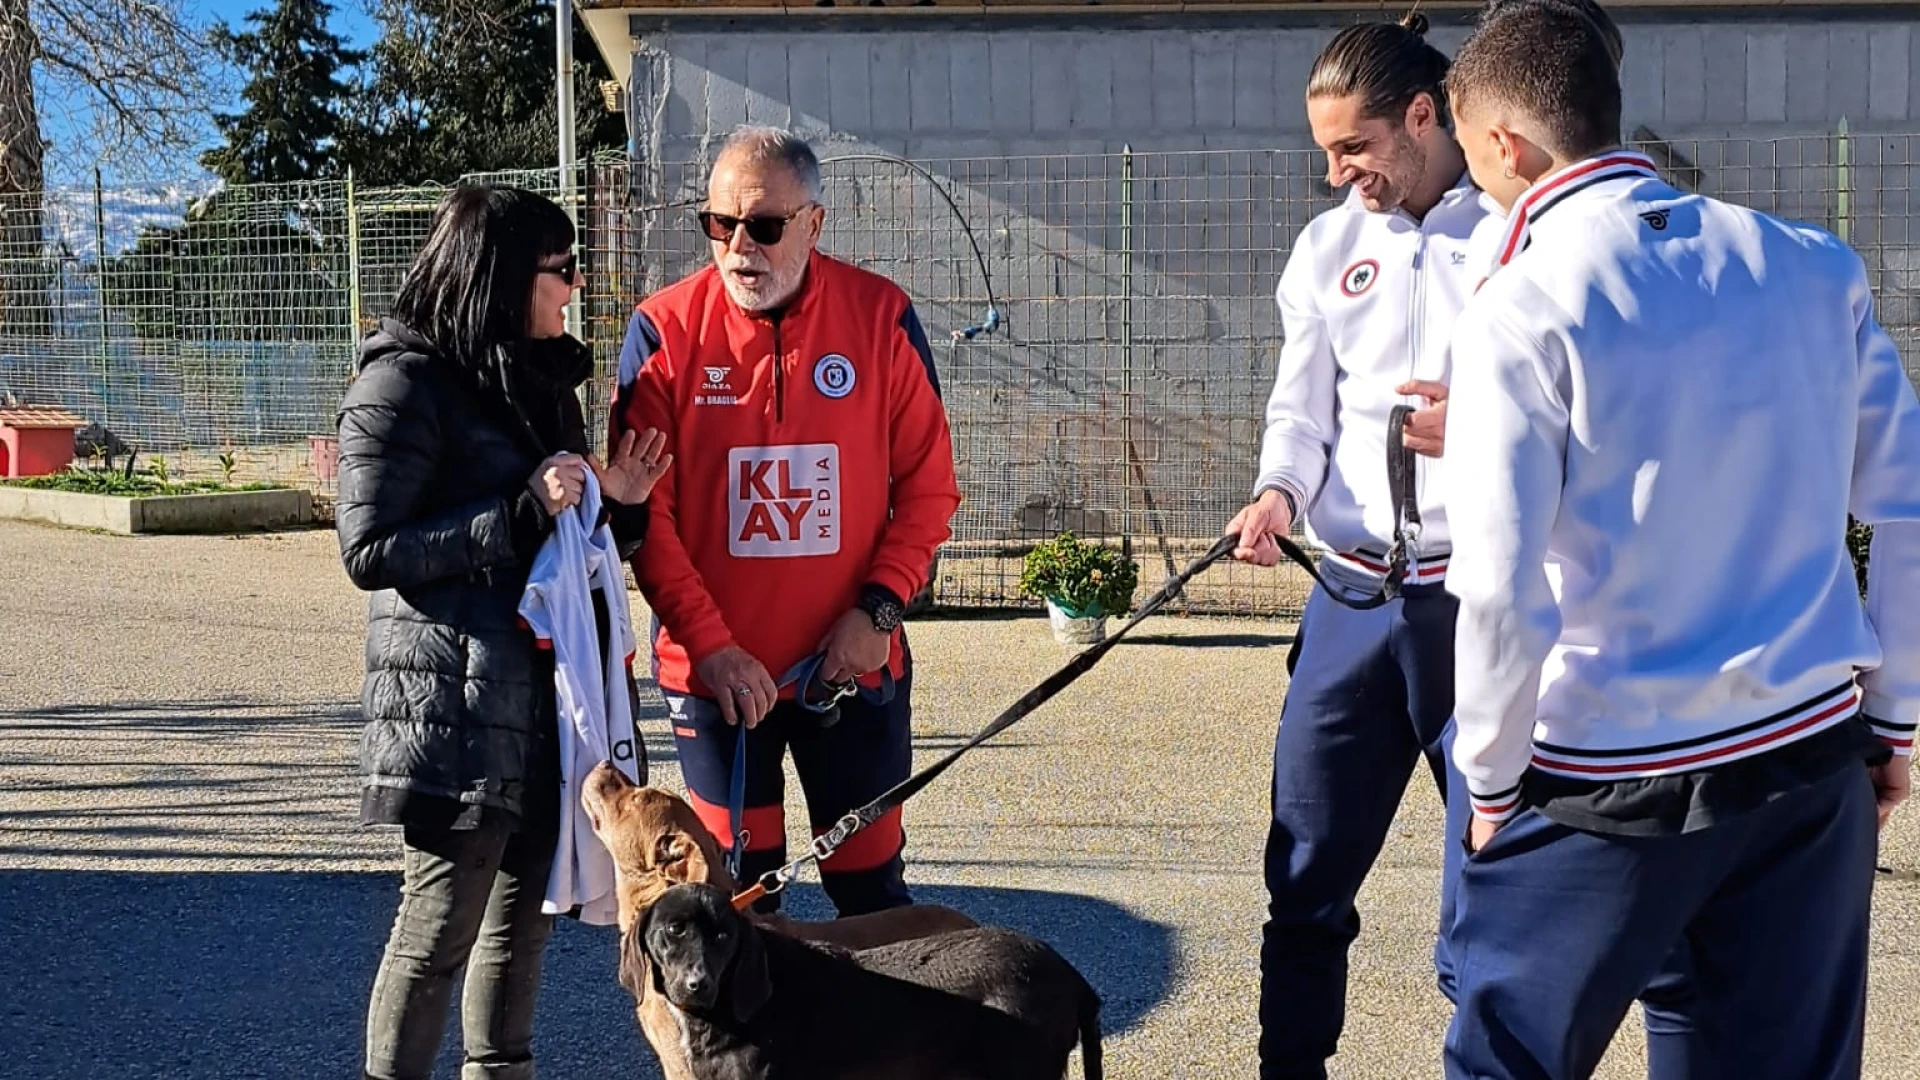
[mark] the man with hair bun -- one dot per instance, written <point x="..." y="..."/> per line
<point x="1675" y="718"/>
<point x="1366" y="299"/>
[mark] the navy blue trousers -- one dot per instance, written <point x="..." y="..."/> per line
<point x="1371" y="696"/>
<point x="1667" y="1004"/>
<point x="1557" y="930"/>
<point x="841" y="767"/>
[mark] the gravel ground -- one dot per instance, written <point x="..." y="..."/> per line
<point x="184" y="892"/>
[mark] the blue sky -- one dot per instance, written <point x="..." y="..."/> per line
<point x="350" y="21"/>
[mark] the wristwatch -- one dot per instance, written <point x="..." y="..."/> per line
<point x="883" y="607"/>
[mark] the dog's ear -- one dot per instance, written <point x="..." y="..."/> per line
<point x="635" y="969"/>
<point x="752" y="982"/>
<point x="694" y="866"/>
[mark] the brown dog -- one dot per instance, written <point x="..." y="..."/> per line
<point x="657" y="842"/>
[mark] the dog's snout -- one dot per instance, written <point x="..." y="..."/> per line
<point x="602" y="784"/>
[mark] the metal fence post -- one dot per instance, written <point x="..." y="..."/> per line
<point x="353" y="263"/>
<point x="100" y="292"/>
<point x="1841" y="224"/>
<point x="1126" y="341"/>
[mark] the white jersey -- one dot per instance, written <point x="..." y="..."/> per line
<point x="591" y="688"/>
<point x="1671" y="406"/>
<point x="1367" y="301"/>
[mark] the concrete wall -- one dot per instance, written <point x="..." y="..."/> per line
<point x="1138" y="290"/>
<point x="937" y="87"/>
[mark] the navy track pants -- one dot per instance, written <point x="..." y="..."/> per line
<point x="1371" y="696"/>
<point x="1557" y="930"/>
<point x="841" y="767"/>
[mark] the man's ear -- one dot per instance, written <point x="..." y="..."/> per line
<point x="752" y="982"/>
<point x="1423" y="114"/>
<point x="1506" y="147"/>
<point x="816" y="223"/>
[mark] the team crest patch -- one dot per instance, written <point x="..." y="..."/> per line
<point x="1359" y="277"/>
<point x="833" y="375"/>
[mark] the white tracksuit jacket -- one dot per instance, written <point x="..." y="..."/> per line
<point x="1367" y="301"/>
<point x="596" y="713"/>
<point x="1668" y="405"/>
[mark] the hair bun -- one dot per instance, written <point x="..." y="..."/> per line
<point x="1415" y="23"/>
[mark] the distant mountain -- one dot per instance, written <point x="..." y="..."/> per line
<point x="72" y="228"/>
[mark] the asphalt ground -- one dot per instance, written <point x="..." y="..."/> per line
<point x="184" y="890"/>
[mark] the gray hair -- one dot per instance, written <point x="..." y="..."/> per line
<point x="761" y="145"/>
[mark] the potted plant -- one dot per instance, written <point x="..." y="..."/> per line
<point x="1082" y="584"/>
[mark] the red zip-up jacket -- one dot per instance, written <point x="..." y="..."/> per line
<point x="811" y="456"/>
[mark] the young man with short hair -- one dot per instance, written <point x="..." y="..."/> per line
<point x="1673" y="715"/>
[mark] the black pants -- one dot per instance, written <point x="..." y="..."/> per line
<point x="841" y="767"/>
<point x="469" y="898"/>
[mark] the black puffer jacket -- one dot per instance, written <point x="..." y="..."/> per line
<point x="436" y="520"/>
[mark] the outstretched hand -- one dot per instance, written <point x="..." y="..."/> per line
<point x="638" y="464"/>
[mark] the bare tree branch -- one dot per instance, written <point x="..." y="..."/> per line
<point x="138" y="72"/>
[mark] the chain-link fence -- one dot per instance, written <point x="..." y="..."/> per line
<point x="1103" y="324"/>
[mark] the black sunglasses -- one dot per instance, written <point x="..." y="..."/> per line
<point x="765" y="231"/>
<point x="569" y="270"/>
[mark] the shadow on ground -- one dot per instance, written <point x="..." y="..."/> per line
<point x="230" y="975"/>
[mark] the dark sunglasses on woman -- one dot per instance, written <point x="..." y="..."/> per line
<point x="569" y="271"/>
<point x="765" y="231"/>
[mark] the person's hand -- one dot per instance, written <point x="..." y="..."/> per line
<point x="1426" y="430"/>
<point x="1258" y="523"/>
<point x="740" y="683"/>
<point x="559" y="481"/>
<point x="1479" y="831"/>
<point x="638" y="463"/>
<point x="853" y="647"/>
<point x="1892" y="783"/>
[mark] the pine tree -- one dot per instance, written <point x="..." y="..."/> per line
<point x="291" y="125"/>
<point x="459" y="86"/>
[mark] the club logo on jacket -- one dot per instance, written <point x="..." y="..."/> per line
<point x="1359" y="277"/>
<point x="783" y="501"/>
<point x="833" y="375"/>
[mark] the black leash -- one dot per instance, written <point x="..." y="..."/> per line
<point x="826" y="843"/>
<point x="1406" y="528"/>
<point x="1406" y="522"/>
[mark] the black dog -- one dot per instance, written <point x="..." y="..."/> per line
<point x="982" y="1004"/>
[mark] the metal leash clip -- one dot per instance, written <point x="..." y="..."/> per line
<point x="826" y="842"/>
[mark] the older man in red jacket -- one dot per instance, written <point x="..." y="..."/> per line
<point x="813" y="482"/>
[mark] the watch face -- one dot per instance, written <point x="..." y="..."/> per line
<point x="886" y="615"/>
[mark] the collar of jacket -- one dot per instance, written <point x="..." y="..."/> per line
<point x="555" y="365"/>
<point x="1565" y="183"/>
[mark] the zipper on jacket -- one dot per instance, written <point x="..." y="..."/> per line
<point x="1416" y="305"/>
<point x="779" y="375"/>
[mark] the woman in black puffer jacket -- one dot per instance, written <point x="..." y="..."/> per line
<point x="460" y="440"/>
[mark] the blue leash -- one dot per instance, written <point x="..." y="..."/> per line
<point x="805" y="673"/>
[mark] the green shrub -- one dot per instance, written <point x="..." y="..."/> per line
<point x="1083" y="579"/>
